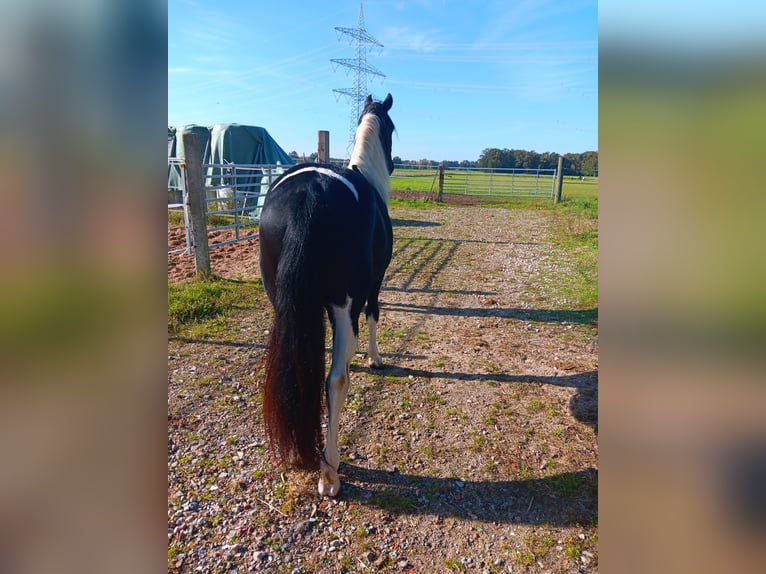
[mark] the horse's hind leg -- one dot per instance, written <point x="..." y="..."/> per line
<point x="344" y="344"/>
<point x="372" y="313"/>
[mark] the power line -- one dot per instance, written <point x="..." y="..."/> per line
<point x="357" y="93"/>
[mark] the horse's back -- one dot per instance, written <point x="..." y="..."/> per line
<point x="336" y="218"/>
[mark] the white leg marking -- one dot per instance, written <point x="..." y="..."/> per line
<point x="373" y="355"/>
<point x="344" y="344"/>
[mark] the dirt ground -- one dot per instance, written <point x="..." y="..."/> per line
<point x="473" y="450"/>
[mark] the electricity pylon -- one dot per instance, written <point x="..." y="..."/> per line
<point x="361" y="69"/>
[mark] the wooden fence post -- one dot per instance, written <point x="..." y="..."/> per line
<point x="441" y="182"/>
<point x="559" y="181"/>
<point x="195" y="197"/>
<point x="323" y="147"/>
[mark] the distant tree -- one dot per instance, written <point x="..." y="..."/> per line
<point x="397" y="160"/>
<point x="294" y="154"/>
<point x="590" y="163"/>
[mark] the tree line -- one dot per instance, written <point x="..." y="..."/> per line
<point x="585" y="164"/>
<point x="577" y="164"/>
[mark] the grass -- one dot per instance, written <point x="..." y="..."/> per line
<point x="577" y="195"/>
<point x="194" y="302"/>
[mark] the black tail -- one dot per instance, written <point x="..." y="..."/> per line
<point x="295" y="366"/>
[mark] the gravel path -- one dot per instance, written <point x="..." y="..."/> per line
<point x="474" y="450"/>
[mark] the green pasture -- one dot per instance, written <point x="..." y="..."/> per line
<point x="425" y="180"/>
<point x="576" y="194"/>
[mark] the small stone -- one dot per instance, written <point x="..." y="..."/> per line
<point x="403" y="563"/>
<point x="260" y="555"/>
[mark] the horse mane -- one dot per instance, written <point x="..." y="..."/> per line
<point x="369" y="155"/>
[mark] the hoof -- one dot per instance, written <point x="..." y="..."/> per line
<point x="375" y="363"/>
<point x="329" y="482"/>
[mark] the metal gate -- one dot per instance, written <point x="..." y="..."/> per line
<point x="503" y="182"/>
<point x="234" y="195"/>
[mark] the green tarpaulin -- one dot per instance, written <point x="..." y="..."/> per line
<point x="225" y="143"/>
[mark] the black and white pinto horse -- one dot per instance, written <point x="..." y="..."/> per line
<point x="325" y="244"/>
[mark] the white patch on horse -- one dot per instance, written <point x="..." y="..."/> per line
<point x="344" y="346"/>
<point x="373" y="355"/>
<point x="369" y="157"/>
<point x="323" y="171"/>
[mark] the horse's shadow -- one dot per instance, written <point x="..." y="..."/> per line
<point x="559" y="500"/>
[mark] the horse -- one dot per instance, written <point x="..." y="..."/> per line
<point x="325" y="241"/>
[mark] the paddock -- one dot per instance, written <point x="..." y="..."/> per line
<point x="474" y="449"/>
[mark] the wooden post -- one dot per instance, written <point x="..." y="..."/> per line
<point x="441" y="182"/>
<point x="323" y="147"/>
<point x="559" y="181"/>
<point x="197" y="206"/>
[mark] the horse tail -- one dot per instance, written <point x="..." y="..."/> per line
<point x="295" y="364"/>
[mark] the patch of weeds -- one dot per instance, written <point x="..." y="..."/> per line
<point x="540" y="543"/>
<point x="257" y="474"/>
<point x="491" y="367"/>
<point x="454" y="411"/>
<point x="354" y="402"/>
<point x="567" y="485"/>
<point x="205" y="380"/>
<point x="384" y="335"/>
<point x="392" y="501"/>
<point x="195" y="302"/>
<point x="534" y="406"/>
<point x="232" y="440"/>
<point x="491" y="383"/>
<point x="523" y="557"/>
<point x="173" y="551"/>
<point x="428" y="451"/>
<point x="435" y="399"/>
<point x="346" y="562"/>
<point x="421" y="336"/>
<point x="479" y="442"/>
<point x="452" y="564"/>
<point x="573" y="546"/>
<point x="525" y="472"/>
<point x="553" y="412"/>
<point x="280" y="491"/>
<point x="273" y="542"/>
<point x="440" y="361"/>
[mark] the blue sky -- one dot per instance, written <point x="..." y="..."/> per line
<point x="465" y="75"/>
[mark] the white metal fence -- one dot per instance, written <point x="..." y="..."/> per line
<point x="501" y="182"/>
<point x="234" y="195"/>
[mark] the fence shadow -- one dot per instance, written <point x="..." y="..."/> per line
<point x="413" y="223"/>
<point x="558" y="500"/>
<point x="583" y="405"/>
<point x="581" y="316"/>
